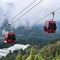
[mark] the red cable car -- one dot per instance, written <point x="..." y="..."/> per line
<point x="50" y="27"/>
<point x="9" y="37"/>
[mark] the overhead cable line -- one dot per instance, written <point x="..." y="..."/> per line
<point x="46" y="16"/>
<point x="22" y="10"/>
<point x="27" y="11"/>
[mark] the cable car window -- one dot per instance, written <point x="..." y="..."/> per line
<point x="10" y="36"/>
<point x="52" y="26"/>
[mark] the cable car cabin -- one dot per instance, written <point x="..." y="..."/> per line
<point x="9" y="37"/>
<point x="50" y="27"/>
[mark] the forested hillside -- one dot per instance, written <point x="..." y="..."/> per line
<point x="47" y="52"/>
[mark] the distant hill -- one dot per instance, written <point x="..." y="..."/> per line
<point x="34" y="35"/>
<point x="36" y="32"/>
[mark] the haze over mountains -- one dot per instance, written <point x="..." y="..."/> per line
<point x="26" y="32"/>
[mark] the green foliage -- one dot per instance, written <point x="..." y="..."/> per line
<point x="19" y="56"/>
<point x="38" y="57"/>
<point x="57" y="58"/>
<point x="32" y="54"/>
<point x="4" y="58"/>
<point x="23" y="57"/>
<point x="48" y="52"/>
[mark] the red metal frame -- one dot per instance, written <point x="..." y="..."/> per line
<point x="8" y="40"/>
<point x="47" y="29"/>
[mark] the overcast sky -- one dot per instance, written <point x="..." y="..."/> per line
<point x="12" y="7"/>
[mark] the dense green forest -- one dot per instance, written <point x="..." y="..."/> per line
<point x="33" y="52"/>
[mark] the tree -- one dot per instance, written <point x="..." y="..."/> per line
<point x="4" y="58"/>
<point x="38" y="57"/>
<point x="24" y="57"/>
<point x="32" y="54"/>
<point x="19" y="56"/>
